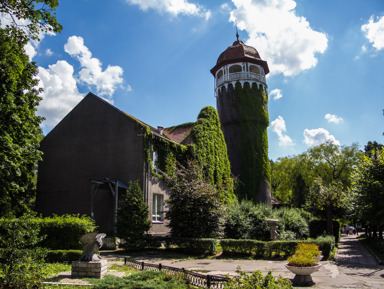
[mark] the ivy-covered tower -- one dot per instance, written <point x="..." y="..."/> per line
<point x="242" y="105"/>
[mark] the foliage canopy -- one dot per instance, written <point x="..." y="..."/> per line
<point x="195" y="208"/>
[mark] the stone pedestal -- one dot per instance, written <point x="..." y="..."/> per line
<point x="90" y="269"/>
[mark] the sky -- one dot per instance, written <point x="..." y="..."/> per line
<point x="152" y="59"/>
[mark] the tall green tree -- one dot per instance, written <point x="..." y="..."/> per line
<point x="195" y="207"/>
<point x="369" y="187"/>
<point x="326" y="197"/>
<point x="20" y="133"/>
<point x="132" y="217"/>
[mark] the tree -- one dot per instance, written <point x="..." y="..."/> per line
<point x="132" y="217"/>
<point x="334" y="163"/>
<point x="195" y="208"/>
<point x="326" y="197"/>
<point x="19" y="126"/>
<point x="369" y="187"/>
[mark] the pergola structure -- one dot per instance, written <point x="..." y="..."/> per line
<point x="113" y="185"/>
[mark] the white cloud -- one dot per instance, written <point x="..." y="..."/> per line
<point x="374" y="32"/>
<point x="276" y="94"/>
<point x="48" y="52"/>
<point x="173" y="7"/>
<point x="278" y="126"/>
<point x="333" y="118"/>
<point x="285" y="40"/>
<point x="91" y="72"/>
<point x="315" y="137"/>
<point x="60" y="92"/>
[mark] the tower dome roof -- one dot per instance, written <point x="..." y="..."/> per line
<point x="238" y="52"/>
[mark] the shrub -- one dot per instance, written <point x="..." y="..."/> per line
<point x="326" y="245"/>
<point x="244" y="221"/>
<point x="21" y="261"/>
<point x="257" y="280"/>
<point x="196" y="246"/>
<point x="63" y="256"/>
<point x="64" y="232"/>
<point x="276" y="248"/>
<point x="195" y="205"/>
<point x="242" y="247"/>
<point x="292" y="224"/>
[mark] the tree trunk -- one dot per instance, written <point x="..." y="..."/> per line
<point x="329" y="221"/>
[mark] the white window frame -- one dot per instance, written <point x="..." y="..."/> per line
<point x="157" y="208"/>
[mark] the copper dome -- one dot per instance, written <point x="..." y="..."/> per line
<point x="238" y="52"/>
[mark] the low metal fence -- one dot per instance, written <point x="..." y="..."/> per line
<point x="196" y="279"/>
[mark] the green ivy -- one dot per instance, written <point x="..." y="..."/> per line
<point x="251" y="105"/>
<point x="208" y="148"/>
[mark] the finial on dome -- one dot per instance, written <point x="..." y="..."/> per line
<point x="237" y="32"/>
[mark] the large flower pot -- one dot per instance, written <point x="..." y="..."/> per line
<point x="303" y="274"/>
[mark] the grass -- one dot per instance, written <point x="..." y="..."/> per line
<point x="52" y="269"/>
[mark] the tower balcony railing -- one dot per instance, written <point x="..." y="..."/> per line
<point x="240" y="76"/>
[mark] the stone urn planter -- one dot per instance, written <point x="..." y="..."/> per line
<point x="303" y="274"/>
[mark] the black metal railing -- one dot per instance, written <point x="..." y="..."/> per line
<point x="196" y="279"/>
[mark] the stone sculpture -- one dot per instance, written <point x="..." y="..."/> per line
<point x="92" y="242"/>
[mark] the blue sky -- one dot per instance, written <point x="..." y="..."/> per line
<point x="152" y="59"/>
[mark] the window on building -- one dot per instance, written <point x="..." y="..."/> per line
<point x="235" y="68"/>
<point x="220" y="74"/>
<point x="157" y="208"/>
<point x="254" y="69"/>
<point x="154" y="161"/>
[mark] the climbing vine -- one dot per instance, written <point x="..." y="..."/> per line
<point x="208" y="148"/>
<point x="210" y="151"/>
<point x="251" y="105"/>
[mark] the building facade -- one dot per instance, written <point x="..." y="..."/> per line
<point x="89" y="158"/>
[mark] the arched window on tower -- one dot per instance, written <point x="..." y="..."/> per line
<point x="235" y="68"/>
<point x="254" y="69"/>
<point x="220" y="74"/>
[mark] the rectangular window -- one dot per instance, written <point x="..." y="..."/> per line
<point x="154" y="161"/>
<point x="157" y="208"/>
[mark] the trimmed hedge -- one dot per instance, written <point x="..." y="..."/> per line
<point x="61" y="232"/>
<point x="326" y="245"/>
<point x="319" y="228"/>
<point x="196" y="246"/>
<point x="273" y="248"/>
<point x="64" y="232"/>
<point x="242" y="247"/>
<point x="61" y="256"/>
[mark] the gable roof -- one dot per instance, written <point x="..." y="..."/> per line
<point x="180" y="134"/>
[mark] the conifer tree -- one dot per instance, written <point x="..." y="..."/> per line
<point x="132" y="217"/>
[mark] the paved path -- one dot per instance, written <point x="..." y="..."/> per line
<point x="351" y="251"/>
<point x="354" y="267"/>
